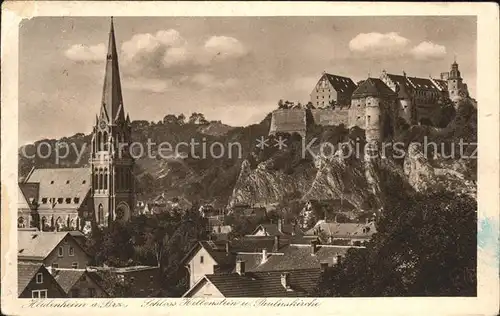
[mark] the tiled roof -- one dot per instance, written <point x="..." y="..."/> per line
<point x="266" y="284"/>
<point x="22" y="202"/>
<point x="67" y="277"/>
<point x="28" y="193"/>
<point x="341" y="84"/>
<point x="443" y="84"/>
<point x="25" y="273"/>
<point x="372" y="87"/>
<point x="343" y="230"/>
<point x="422" y="83"/>
<point x="65" y="183"/>
<point x="300" y="257"/>
<point x="36" y="244"/>
<point x="286" y="229"/>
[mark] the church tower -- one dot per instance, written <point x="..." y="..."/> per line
<point x="455" y="85"/>
<point x="112" y="178"/>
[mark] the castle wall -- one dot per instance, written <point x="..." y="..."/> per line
<point x="328" y="117"/>
<point x="288" y="121"/>
<point x="356" y="113"/>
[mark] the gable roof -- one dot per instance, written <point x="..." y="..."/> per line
<point x="263" y="284"/>
<point x="442" y="84"/>
<point x="27" y="195"/>
<point x="38" y="245"/>
<point x="341" y="84"/>
<point x="296" y="257"/>
<point x="247" y="244"/>
<point x="61" y="183"/>
<point x="272" y="229"/>
<point x="25" y="273"/>
<point x="67" y="278"/>
<point x="422" y="84"/>
<point x="372" y="87"/>
<point x="343" y="230"/>
<point x="22" y="201"/>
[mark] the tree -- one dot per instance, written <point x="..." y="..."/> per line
<point x="181" y="119"/>
<point x="197" y="118"/>
<point x="170" y="119"/>
<point x="425" y="245"/>
<point x="281" y="104"/>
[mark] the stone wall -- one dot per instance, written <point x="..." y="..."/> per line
<point x="288" y="121"/>
<point x="328" y="117"/>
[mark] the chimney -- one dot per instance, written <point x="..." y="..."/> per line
<point x="285" y="281"/>
<point x="240" y="267"/>
<point x="276" y="243"/>
<point x="264" y="256"/>
<point x="228" y="247"/>
<point x="314" y="247"/>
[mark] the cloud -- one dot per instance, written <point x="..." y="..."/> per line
<point x="147" y="84"/>
<point x="428" y="50"/>
<point x="378" y="44"/>
<point x="85" y="53"/>
<point x="224" y="47"/>
<point x="206" y="80"/>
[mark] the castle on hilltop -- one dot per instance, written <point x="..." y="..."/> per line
<point x="374" y="104"/>
<point x="74" y="198"/>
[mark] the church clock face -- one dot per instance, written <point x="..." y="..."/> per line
<point x="102" y="125"/>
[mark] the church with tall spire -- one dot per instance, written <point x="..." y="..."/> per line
<point x="53" y="199"/>
<point x="111" y="163"/>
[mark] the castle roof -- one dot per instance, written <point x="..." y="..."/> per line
<point x="341" y="84"/>
<point x="372" y="87"/>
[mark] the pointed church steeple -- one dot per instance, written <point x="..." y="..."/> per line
<point x="112" y="101"/>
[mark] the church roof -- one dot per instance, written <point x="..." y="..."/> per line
<point x="112" y="100"/>
<point x="372" y="87"/>
<point x="341" y="84"/>
<point x="69" y="184"/>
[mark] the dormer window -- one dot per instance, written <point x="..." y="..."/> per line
<point x="52" y="182"/>
<point x="76" y="200"/>
<point x="84" y="181"/>
<point x="44" y="200"/>
<point x="67" y="181"/>
<point x="60" y="200"/>
<point x="68" y="200"/>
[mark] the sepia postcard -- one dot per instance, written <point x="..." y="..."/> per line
<point x="250" y="157"/>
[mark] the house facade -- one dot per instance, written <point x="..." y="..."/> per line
<point x="332" y="89"/>
<point x="52" y="249"/>
<point x="35" y="281"/>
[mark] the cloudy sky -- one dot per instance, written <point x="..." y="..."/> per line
<point x="233" y="69"/>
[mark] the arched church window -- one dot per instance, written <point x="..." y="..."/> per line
<point x="101" y="180"/>
<point x="100" y="214"/>
<point x="99" y="140"/>
<point x="105" y="140"/>
<point x="105" y="178"/>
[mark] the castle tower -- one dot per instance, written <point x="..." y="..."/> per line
<point x="406" y="110"/>
<point x="111" y="163"/>
<point x="455" y="84"/>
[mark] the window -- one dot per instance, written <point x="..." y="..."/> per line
<point x="91" y="292"/>
<point x="67" y="182"/>
<point x="60" y="200"/>
<point x="75" y="293"/>
<point x="132" y="279"/>
<point x="201" y="259"/>
<point x="368" y="118"/>
<point x="60" y="252"/>
<point x="71" y="251"/>
<point x="39" y="293"/>
<point x="68" y="200"/>
<point x="74" y="265"/>
<point x="44" y="200"/>
<point x="55" y="265"/>
<point x="83" y="182"/>
<point x="52" y="182"/>
<point x="39" y="278"/>
<point x="76" y="200"/>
